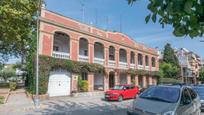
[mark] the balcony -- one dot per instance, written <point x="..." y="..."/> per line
<point x="60" y="55"/>
<point x="83" y="58"/>
<point x="132" y="66"/>
<point x="123" y="65"/>
<point x="153" y="68"/>
<point x="140" y="67"/>
<point x="111" y="63"/>
<point x="147" y="68"/>
<point x="99" y="61"/>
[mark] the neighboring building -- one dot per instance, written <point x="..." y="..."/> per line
<point x="202" y="63"/>
<point x="65" y="38"/>
<point x="190" y="65"/>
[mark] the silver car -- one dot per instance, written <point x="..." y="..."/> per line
<point x="166" y="100"/>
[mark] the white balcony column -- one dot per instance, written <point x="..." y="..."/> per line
<point x="61" y="55"/>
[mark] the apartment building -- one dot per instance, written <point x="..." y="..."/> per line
<point x="190" y="65"/>
<point x="65" y="38"/>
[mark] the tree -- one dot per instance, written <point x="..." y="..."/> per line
<point x="201" y="74"/>
<point x="168" y="70"/>
<point x="186" y="16"/>
<point x="169" y="55"/>
<point x="6" y="74"/>
<point x="17" y="21"/>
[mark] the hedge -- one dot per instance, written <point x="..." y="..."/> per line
<point x="47" y="64"/>
<point x="169" y="81"/>
<point x="133" y="72"/>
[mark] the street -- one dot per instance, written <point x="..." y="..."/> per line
<point x="94" y="105"/>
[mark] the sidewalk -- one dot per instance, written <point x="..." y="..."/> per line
<point x="17" y="102"/>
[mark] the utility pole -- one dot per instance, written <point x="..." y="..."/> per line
<point x="37" y="57"/>
<point x="83" y="12"/>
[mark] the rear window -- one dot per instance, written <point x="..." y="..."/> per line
<point x="166" y="94"/>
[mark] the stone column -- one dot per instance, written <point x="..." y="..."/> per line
<point x="74" y="49"/>
<point x="117" y="78"/>
<point x="106" y="52"/>
<point x="106" y="82"/>
<point x="128" y="79"/>
<point x="128" y="58"/>
<point x="117" y="57"/>
<point x="150" y="80"/>
<point x="91" y="82"/>
<point x="91" y="52"/>
<point x="144" y="81"/>
<point x="136" y="80"/>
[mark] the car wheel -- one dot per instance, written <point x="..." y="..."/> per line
<point x="120" y="98"/>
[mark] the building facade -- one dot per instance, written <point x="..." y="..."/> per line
<point x="190" y="64"/>
<point x="65" y="38"/>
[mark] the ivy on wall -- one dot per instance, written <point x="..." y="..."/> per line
<point x="133" y="72"/>
<point x="47" y="64"/>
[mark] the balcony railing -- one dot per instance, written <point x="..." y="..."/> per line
<point x="99" y="61"/>
<point x="61" y="55"/>
<point x="83" y="58"/>
<point x="111" y="63"/>
<point x="153" y="68"/>
<point x="123" y="65"/>
<point x="132" y="65"/>
<point x="140" y="67"/>
<point x="146" y="67"/>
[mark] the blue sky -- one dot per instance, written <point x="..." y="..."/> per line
<point x="132" y="21"/>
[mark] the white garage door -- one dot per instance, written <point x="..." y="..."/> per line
<point x="59" y="84"/>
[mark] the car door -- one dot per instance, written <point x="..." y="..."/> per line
<point x="195" y="101"/>
<point x="185" y="105"/>
<point x="126" y="93"/>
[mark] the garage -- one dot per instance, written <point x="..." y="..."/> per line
<point x="59" y="83"/>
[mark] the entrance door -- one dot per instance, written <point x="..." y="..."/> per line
<point x="59" y="84"/>
<point x="111" y="80"/>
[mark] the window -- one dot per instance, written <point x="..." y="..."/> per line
<point x="192" y="93"/>
<point x="86" y="52"/>
<point x="55" y="48"/>
<point x="84" y="76"/>
<point x="185" y="98"/>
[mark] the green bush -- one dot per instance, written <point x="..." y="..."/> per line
<point x="169" y="81"/>
<point x="85" y="85"/>
<point x="1" y="99"/>
<point x="12" y="86"/>
<point x="82" y="85"/>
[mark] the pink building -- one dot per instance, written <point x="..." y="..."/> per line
<point x="65" y="38"/>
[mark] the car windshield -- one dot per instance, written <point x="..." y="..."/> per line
<point x="117" y="87"/>
<point x="199" y="90"/>
<point x="165" y="94"/>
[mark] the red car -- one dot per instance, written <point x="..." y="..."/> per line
<point x="120" y="92"/>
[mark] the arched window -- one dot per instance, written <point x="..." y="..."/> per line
<point x="111" y="53"/>
<point x="140" y="59"/>
<point x="61" y="42"/>
<point x="123" y="55"/>
<point x="98" y="50"/>
<point x="146" y="60"/>
<point x="83" y="47"/>
<point x="153" y="62"/>
<point x="132" y="57"/>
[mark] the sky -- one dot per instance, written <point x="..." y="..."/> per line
<point x="116" y="15"/>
